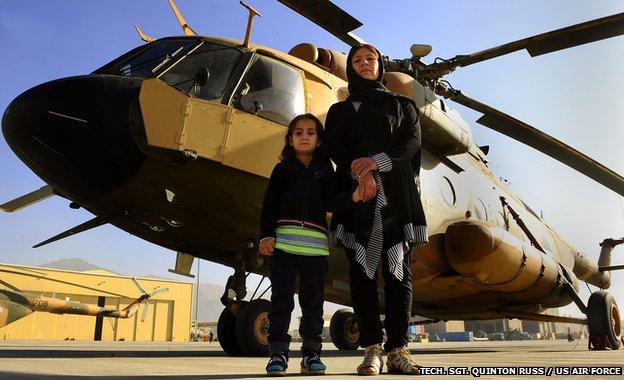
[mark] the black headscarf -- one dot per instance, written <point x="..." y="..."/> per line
<point x="361" y="88"/>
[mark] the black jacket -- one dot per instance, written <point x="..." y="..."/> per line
<point x="301" y="195"/>
<point x="383" y="124"/>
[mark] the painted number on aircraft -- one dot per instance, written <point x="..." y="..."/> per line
<point x="40" y="303"/>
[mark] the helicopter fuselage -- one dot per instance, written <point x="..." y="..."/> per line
<point x="143" y="145"/>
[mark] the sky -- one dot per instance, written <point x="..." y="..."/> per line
<point x="573" y="95"/>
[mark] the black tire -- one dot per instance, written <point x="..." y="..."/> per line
<point x="343" y="330"/>
<point x="226" y="331"/>
<point x="603" y="318"/>
<point x="252" y="328"/>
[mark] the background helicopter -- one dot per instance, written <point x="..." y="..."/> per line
<point x="16" y="304"/>
<point x="403" y="53"/>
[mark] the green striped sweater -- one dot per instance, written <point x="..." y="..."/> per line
<point x="300" y="240"/>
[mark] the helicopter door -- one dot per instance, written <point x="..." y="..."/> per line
<point x="182" y="109"/>
<point x="268" y="97"/>
<point x="178" y="122"/>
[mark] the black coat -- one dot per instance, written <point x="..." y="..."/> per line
<point x="383" y="124"/>
<point x="301" y="195"/>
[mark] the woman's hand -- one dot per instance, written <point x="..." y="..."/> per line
<point x="266" y="247"/>
<point x="367" y="188"/>
<point x="362" y="166"/>
<point x="356" y="197"/>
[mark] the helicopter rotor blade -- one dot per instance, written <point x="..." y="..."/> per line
<point x="8" y="285"/>
<point x="12" y="270"/>
<point x="158" y="291"/>
<point x="329" y="17"/>
<point x="144" y="313"/>
<point x="549" y="42"/>
<point x="138" y="285"/>
<point x="536" y="139"/>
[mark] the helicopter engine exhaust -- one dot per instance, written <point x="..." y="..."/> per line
<point x="498" y="261"/>
<point x="333" y="61"/>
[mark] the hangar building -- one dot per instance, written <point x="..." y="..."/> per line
<point x="168" y="315"/>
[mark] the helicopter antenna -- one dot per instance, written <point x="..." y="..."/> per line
<point x="188" y="31"/>
<point x="252" y="14"/>
<point x="142" y="35"/>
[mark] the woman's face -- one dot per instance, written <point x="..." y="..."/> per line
<point x="365" y="64"/>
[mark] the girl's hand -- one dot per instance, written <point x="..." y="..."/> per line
<point x="356" y="197"/>
<point x="266" y="246"/>
<point x="362" y="166"/>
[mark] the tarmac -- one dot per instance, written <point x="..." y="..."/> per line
<point x="201" y="360"/>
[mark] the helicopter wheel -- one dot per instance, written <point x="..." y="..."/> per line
<point x="603" y="319"/>
<point x="343" y="329"/>
<point x="252" y="328"/>
<point x="226" y="329"/>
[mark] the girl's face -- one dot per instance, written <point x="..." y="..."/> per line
<point x="304" y="138"/>
<point x="365" y="64"/>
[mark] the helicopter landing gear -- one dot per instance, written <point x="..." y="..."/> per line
<point x="226" y="329"/>
<point x="343" y="329"/>
<point x="235" y="288"/>
<point x="243" y="326"/>
<point x="252" y="328"/>
<point x="603" y="321"/>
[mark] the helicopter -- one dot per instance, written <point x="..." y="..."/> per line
<point x="16" y="304"/>
<point x="144" y="162"/>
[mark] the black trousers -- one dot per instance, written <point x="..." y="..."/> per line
<point x="398" y="303"/>
<point x="283" y="271"/>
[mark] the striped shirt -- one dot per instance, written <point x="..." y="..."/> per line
<point x="300" y="240"/>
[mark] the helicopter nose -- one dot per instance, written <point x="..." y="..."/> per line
<point x="50" y="112"/>
<point x="74" y="133"/>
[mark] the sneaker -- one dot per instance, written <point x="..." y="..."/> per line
<point x="400" y="362"/>
<point x="277" y="364"/>
<point x="312" y="365"/>
<point x="373" y="361"/>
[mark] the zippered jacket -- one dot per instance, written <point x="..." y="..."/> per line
<point x="301" y="195"/>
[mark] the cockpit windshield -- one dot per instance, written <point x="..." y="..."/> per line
<point x="179" y="62"/>
<point x="144" y="61"/>
<point x="217" y="62"/>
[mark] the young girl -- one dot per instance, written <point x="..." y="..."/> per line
<point x="294" y="233"/>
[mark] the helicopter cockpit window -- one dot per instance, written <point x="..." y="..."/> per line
<point x="273" y="90"/>
<point x="218" y="63"/>
<point x="144" y="63"/>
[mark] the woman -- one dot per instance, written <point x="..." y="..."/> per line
<point x="374" y="139"/>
